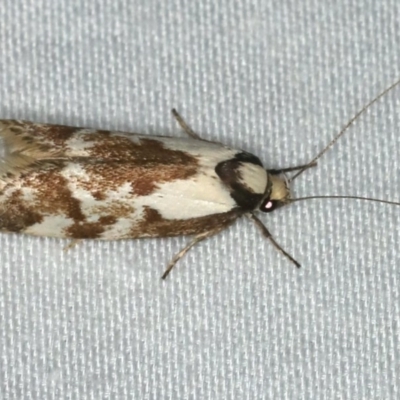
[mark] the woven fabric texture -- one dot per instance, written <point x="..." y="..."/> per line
<point x="235" y="320"/>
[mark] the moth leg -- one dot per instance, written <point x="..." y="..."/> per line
<point x="195" y="240"/>
<point x="269" y="236"/>
<point x="72" y="244"/>
<point x="186" y="128"/>
<point x="291" y="169"/>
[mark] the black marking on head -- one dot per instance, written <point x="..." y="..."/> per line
<point x="248" y="157"/>
<point x="229" y="173"/>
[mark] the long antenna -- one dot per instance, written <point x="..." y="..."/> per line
<point x="346" y="127"/>
<point x="393" y="203"/>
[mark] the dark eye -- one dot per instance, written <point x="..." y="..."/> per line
<point x="269" y="205"/>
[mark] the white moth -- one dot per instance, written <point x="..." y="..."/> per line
<point x="77" y="183"/>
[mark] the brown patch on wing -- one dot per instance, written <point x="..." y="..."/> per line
<point x="143" y="165"/>
<point x="51" y="197"/>
<point x="55" y="198"/>
<point x="90" y="230"/>
<point x="117" y="209"/>
<point x="30" y="138"/>
<point x="98" y="195"/>
<point x="16" y="215"/>
<point x="57" y="134"/>
<point x="154" y="225"/>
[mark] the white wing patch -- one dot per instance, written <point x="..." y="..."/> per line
<point x="202" y="195"/>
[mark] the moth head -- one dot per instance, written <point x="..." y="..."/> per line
<point x="251" y="186"/>
<point x="277" y="193"/>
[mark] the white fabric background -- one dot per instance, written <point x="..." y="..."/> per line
<point x="235" y="320"/>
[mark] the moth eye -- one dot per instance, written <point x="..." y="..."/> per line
<point x="268" y="205"/>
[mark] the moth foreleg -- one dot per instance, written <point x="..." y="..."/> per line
<point x="269" y="236"/>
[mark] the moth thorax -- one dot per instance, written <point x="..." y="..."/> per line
<point x="279" y="189"/>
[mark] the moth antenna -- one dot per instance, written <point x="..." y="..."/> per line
<point x="393" y="203"/>
<point x="346" y="127"/>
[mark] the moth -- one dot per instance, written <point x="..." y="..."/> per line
<point x="78" y="183"/>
